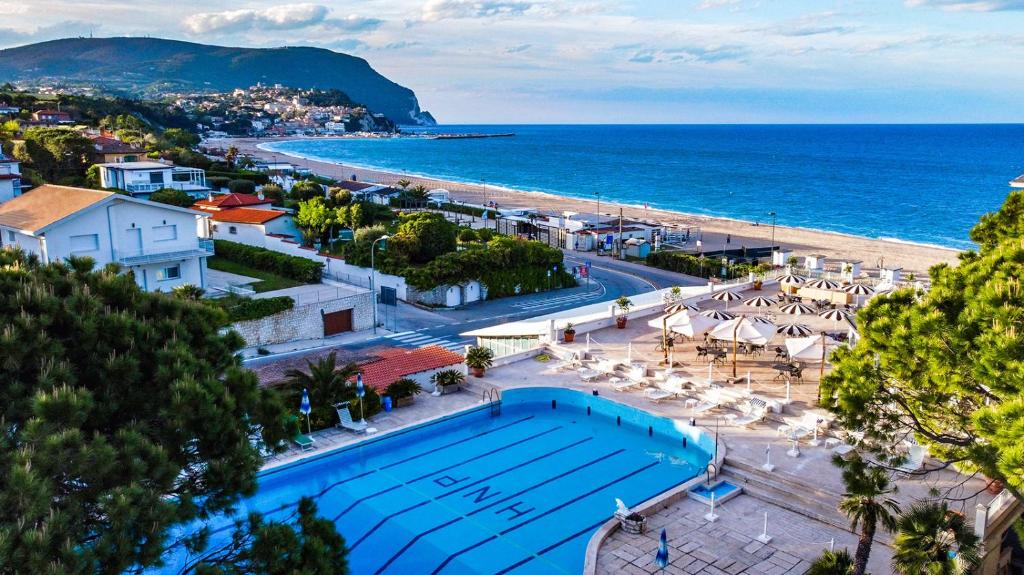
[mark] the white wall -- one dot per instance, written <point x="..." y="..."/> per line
<point x="248" y="234"/>
<point x="26" y="242"/>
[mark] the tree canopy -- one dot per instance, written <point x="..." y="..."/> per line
<point x="946" y="366"/>
<point x="58" y="155"/>
<point x="315" y="219"/>
<point x="172" y="197"/>
<point x="124" y="415"/>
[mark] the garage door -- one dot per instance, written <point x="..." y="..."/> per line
<point x="337" y="322"/>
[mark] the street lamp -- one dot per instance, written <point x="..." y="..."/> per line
<point x="373" y="277"/>
<point x="772" y="214"/>
<point x="598" y="223"/>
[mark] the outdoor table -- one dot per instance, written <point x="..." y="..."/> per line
<point x="783" y="369"/>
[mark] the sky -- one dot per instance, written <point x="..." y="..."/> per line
<point x="619" y="61"/>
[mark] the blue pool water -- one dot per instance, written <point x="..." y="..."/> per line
<point x="719" y="489"/>
<point x="520" y="492"/>
<point x="912" y="182"/>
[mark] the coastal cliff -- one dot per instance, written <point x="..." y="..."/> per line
<point x="152" y="66"/>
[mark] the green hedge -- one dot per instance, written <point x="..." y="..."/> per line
<point x="293" y="267"/>
<point x="249" y="309"/>
<point x="256" y="177"/>
<point x="461" y="209"/>
<point x="695" y="266"/>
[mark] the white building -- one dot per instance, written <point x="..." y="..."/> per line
<point x="10" y="179"/>
<point x="160" y="244"/>
<point x="246" y="219"/>
<point x="143" y="178"/>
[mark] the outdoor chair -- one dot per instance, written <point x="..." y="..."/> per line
<point x="780" y="354"/>
<point x="915" y="458"/>
<point x="754" y="411"/>
<point x="305" y="442"/>
<point x="587" y="374"/>
<point x="797" y="374"/>
<point x="345" y="419"/>
<point x="620" y="384"/>
<point x="709" y="400"/>
<point x="702" y="352"/>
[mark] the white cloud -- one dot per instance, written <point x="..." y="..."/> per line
<point x="969" y="5"/>
<point x="436" y="10"/>
<point x="353" y="23"/>
<point x="284" y="17"/>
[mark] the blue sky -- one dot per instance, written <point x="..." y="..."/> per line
<point x="620" y="61"/>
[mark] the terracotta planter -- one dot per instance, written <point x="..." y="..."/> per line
<point x="405" y="401"/>
<point x="477" y="371"/>
<point x="620" y="322"/>
<point x="446" y="389"/>
<point x="568" y="336"/>
<point x="757" y="285"/>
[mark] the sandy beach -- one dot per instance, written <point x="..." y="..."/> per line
<point x="913" y="258"/>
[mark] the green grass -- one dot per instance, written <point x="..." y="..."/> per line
<point x="268" y="281"/>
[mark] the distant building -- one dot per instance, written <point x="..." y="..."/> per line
<point x="10" y="178"/>
<point x="51" y="117"/>
<point x="140" y="179"/>
<point x="334" y="126"/>
<point x="9" y="110"/>
<point x="1017" y="182"/>
<point x="108" y="150"/>
<point x="161" y="245"/>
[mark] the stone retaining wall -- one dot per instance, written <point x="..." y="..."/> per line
<point x="305" y="321"/>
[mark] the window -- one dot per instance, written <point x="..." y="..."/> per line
<point x="156" y="177"/>
<point x="85" y="243"/>
<point x="165" y="233"/>
<point x="10" y="236"/>
<point x="232" y="230"/>
<point x="169" y="273"/>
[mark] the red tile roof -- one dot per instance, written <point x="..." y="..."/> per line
<point x="224" y="201"/>
<point x="397" y="363"/>
<point x="245" y="216"/>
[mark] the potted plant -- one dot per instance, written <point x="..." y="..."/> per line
<point x="403" y="391"/>
<point x="478" y="359"/>
<point x="634" y="523"/>
<point x="569" y="333"/>
<point x="448" y="381"/>
<point x="623" y="303"/>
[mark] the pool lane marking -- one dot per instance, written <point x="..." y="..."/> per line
<point x="502" y="500"/>
<point x="551" y="547"/>
<point x="436" y="471"/>
<point x="545" y="514"/>
<point x="324" y="491"/>
<point x="467" y="486"/>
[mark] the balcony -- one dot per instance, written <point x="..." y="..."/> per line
<point x="201" y="248"/>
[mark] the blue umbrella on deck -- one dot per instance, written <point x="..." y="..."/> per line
<point x="360" y="392"/>
<point x="662" y="557"/>
<point x="305" y="408"/>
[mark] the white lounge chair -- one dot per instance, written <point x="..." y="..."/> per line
<point x="620" y="384"/>
<point x="754" y="411"/>
<point x="709" y="400"/>
<point x="674" y="386"/>
<point x="607" y="366"/>
<point x="570" y="363"/>
<point x="587" y="374"/>
<point x="797" y="429"/>
<point x="345" y="419"/>
<point x="915" y="458"/>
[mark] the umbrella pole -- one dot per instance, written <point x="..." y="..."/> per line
<point x="664" y="338"/>
<point x="821" y="374"/>
<point x="735" y="345"/>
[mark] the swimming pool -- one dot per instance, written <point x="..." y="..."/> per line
<point x="517" y="492"/>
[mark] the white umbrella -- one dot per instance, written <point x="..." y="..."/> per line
<point x="727" y="296"/>
<point x="822" y="284"/>
<point x="796" y="309"/>
<point x="693" y="325"/>
<point x="810" y="348"/>
<point x="759" y="301"/>
<point x="746" y="330"/>
<point x="794" y="330"/>
<point x="673" y="314"/>
<point x="717" y="314"/>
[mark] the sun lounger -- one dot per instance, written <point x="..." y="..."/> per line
<point x="570" y="363"/>
<point x="754" y="411"/>
<point x="674" y="386"/>
<point x="305" y="442"/>
<point x="915" y="458"/>
<point x="587" y="374"/>
<point x="607" y="366"/>
<point x="345" y="419"/>
<point x="710" y="400"/>
<point x="656" y="394"/>
<point x="619" y="384"/>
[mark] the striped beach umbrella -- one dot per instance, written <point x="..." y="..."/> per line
<point x="796" y="309"/>
<point x="305" y="408"/>
<point x="717" y="314"/>
<point x="794" y="330"/>
<point x="678" y="307"/>
<point x="858" y="290"/>
<point x="727" y="296"/>
<point x="791" y="279"/>
<point x="662" y="557"/>
<point x="761" y="319"/>
<point x="759" y="301"/>
<point x="835" y="314"/>
<point x="823" y="284"/>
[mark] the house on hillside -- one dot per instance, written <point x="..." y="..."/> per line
<point x="108" y="150"/>
<point x="140" y="179"/>
<point x="10" y="178"/>
<point x="246" y="219"/>
<point x="161" y="245"/>
<point x="51" y="117"/>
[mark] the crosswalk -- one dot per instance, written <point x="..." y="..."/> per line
<point x="415" y="340"/>
<point x="541" y="304"/>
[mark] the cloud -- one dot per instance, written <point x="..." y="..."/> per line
<point x="969" y="5"/>
<point x="707" y="4"/>
<point x="436" y="10"/>
<point x="702" y="54"/>
<point x="346" y="45"/>
<point x="283" y="17"/>
<point x="401" y="45"/>
<point x="518" y="49"/>
<point x="353" y="23"/>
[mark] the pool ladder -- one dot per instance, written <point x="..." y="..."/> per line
<point x="492" y="396"/>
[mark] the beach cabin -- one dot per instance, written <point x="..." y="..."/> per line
<point x="814" y="262"/>
<point x="637" y="248"/>
<point x="890" y="275"/>
<point x="780" y="257"/>
<point x="850" y="269"/>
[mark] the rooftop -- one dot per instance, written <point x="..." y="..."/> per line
<point x="354" y="186"/>
<point x="223" y="201"/>
<point x="137" y="165"/>
<point x="245" y="216"/>
<point x="107" y="145"/>
<point x="396" y="363"/>
<point x="46" y="205"/>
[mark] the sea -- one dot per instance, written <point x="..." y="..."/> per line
<point x="915" y="183"/>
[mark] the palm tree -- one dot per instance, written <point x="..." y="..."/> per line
<point x="325" y="381"/>
<point x="932" y="540"/>
<point x="867" y="503"/>
<point x="832" y="563"/>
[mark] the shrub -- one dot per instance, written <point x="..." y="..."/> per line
<point x="172" y="197"/>
<point x="255" y="177"/>
<point x="217" y="182"/>
<point x="479" y="357"/>
<point x="448" y="377"/>
<point x="486" y="234"/>
<point x="242" y="187"/>
<point x="306" y="190"/>
<point x="402" y="388"/>
<point x="292" y="267"/>
<point x="696" y="266"/>
<point x="245" y="309"/>
<point x="467" y="235"/>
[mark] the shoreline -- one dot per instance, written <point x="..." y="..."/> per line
<point x="913" y="257"/>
